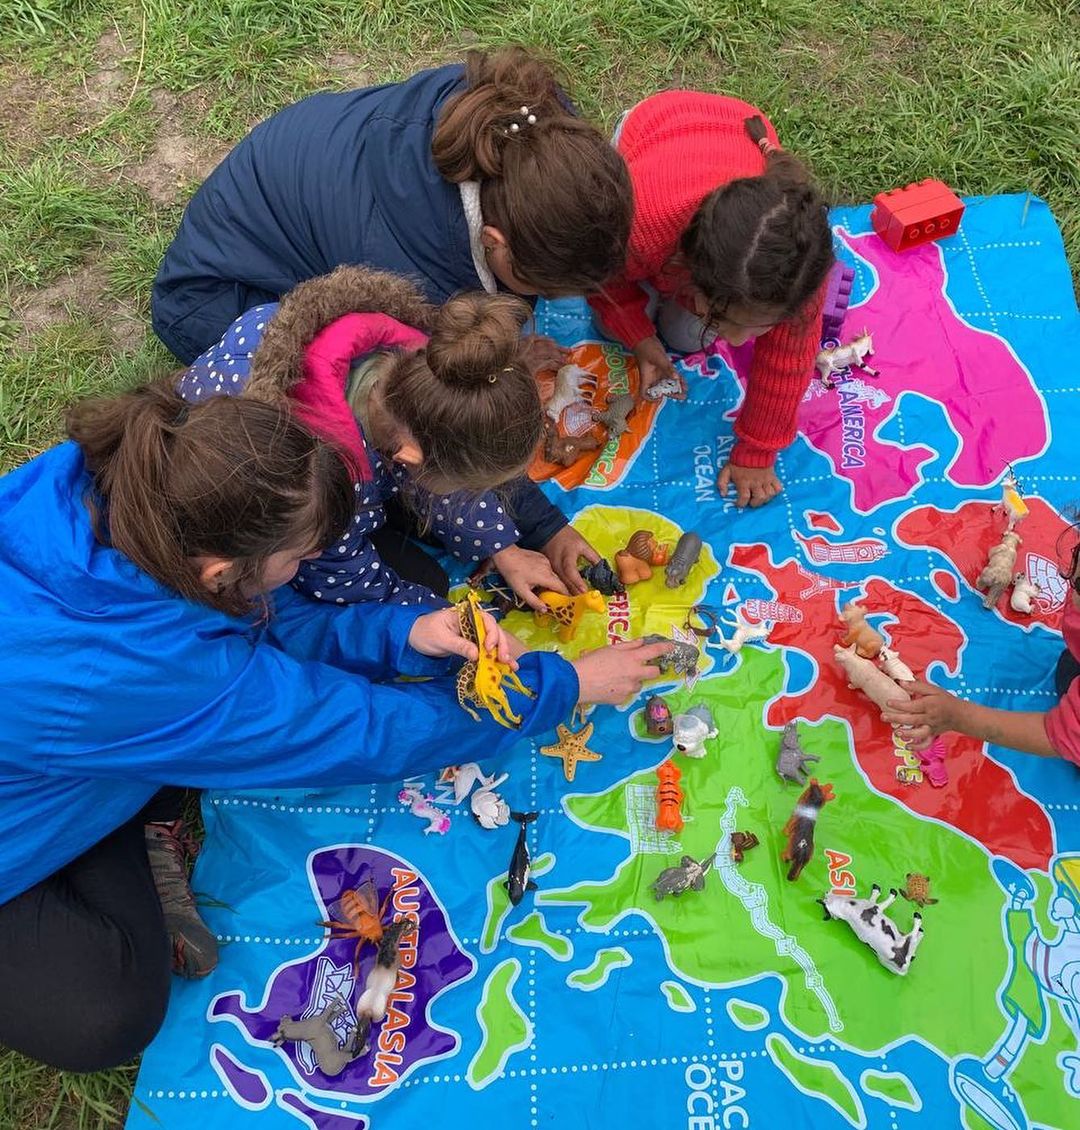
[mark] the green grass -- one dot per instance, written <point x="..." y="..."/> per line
<point x="984" y="94"/>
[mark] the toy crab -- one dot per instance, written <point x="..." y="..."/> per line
<point x="480" y="681"/>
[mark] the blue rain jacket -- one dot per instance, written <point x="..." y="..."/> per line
<point x="112" y="685"/>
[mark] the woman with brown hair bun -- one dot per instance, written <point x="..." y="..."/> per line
<point x="465" y="177"/>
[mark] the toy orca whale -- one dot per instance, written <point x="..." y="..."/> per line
<point x="517" y="880"/>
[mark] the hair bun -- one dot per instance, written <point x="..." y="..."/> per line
<point x="474" y="336"/>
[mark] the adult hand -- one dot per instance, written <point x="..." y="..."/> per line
<point x="754" y="486"/>
<point x="616" y="673"/>
<point x="524" y="570"/>
<point x="563" y="551"/>
<point x="439" y="634"/>
<point x="654" y="365"/>
<point x="931" y="711"/>
<point x="542" y="353"/>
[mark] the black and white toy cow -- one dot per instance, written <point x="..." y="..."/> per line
<point x="867" y="918"/>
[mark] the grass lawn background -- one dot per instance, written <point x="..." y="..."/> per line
<point x="112" y="112"/>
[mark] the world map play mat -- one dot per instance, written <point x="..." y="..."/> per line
<point x="593" y="1004"/>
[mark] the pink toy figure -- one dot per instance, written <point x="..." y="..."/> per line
<point x="420" y="805"/>
<point x="841" y="357"/>
<point x="932" y="762"/>
<point x="864" y="676"/>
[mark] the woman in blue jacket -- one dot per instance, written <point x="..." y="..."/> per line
<point x="462" y="177"/>
<point x="131" y="563"/>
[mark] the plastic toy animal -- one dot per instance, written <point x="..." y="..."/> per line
<point x="669" y="386"/>
<point x="744" y="633"/>
<point x="894" y="666"/>
<point x="568" y="610"/>
<point x="800" y="827"/>
<point x="682" y="659"/>
<point x="570" y="383"/>
<point x="480" y="681"/>
<point x="998" y="572"/>
<point x="371" y="1007"/>
<point x="631" y="569"/>
<point x="688" y="876"/>
<point x="932" y="763"/>
<point x="420" y="805"/>
<point x="602" y="577"/>
<point x="742" y="842"/>
<point x="692" y="729"/>
<point x="566" y="450"/>
<point x="687" y="551"/>
<point x="463" y="777"/>
<point x="868" y="643"/>
<point x="862" y="675"/>
<point x="644" y="546"/>
<point x="490" y="810"/>
<point x="517" y="878"/>
<point x="658" y="722"/>
<point x="318" y="1031"/>
<point x="850" y="356"/>
<point x="571" y="748"/>
<point x="359" y="915"/>
<point x="614" y="416"/>
<point x="792" y="759"/>
<point x="917" y="889"/>
<point x="867" y="918"/>
<point x="1024" y="592"/>
<point x="1011" y="501"/>
<point x="669" y="798"/>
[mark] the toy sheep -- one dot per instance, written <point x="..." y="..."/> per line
<point x="867" y="918"/>
<point x="692" y="729"/>
<point x="1024" y="592"/>
<point x="998" y="573"/>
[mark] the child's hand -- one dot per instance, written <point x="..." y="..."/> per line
<point x="524" y="570"/>
<point x="931" y="711"/>
<point x="615" y="674"/>
<point x="540" y="353"/>
<point x="563" y="551"/>
<point x="439" y="633"/>
<point x="654" y="365"/>
<point x="754" y="486"/>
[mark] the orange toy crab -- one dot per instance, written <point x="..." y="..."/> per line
<point x="568" y="610"/>
<point x="361" y="918"/>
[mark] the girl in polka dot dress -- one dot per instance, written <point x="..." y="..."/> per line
<point x="446" y="428"/>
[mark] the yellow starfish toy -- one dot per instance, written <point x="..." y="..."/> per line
<point x="571" y="748"/>
<point x="480" y="681"/>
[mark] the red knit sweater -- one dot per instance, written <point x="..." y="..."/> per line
<point x="679" y="146"/>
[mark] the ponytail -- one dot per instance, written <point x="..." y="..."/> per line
<point x="469" y="399"/>
<point x="760" y="242"/>
<point x="549" y="181"/>
<point x="232" y="478"/>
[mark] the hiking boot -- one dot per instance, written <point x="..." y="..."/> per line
<point x="194" y="947"/>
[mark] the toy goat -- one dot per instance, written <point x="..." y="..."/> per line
<point x="841" y="357"/>
<point x="1024" y="592"/>
<point x="570" y="382"/>
<point x="864" y="676"/>
<point x="318" y="1031"/>
<point x="744" y="633"/>
<point x="867" y="917"/>
<point x="614" y="416"/>
<point x="998" y="573"/>
<point x="692" y="729"/>
<point x="868" y="643"/>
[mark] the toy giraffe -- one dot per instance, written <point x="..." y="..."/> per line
<point x="480" y="681"/>
<point x="568" y="610"/>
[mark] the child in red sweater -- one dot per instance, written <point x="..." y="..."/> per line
<point x="1053" y="734"/>
<point x="735" y="241"/>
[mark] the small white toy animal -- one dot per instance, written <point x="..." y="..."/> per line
<point x="864" y="676"/>
<point x="490" y="810"/>
<point x="669" y="386"/>
<point x="1024" y="592"/>
<point x="998" y="573"/>
<point x="464" y="777"/>
<point x="569" y="384"/>
<point x="849" y="356"/>
<point x="894" y="666"/>
<point x="690" y="731"/>
<point x="744" y="633"/>
<point x="895" y="950"/>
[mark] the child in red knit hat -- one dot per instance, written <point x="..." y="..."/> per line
<point x="735" y="241"/>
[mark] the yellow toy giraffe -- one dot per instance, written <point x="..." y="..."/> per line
<point x="480" y="681"/>
<point x="568" y="610"/>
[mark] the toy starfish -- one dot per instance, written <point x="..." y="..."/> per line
<point x="571" y="748"/>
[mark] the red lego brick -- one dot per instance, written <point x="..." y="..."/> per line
<point x="906" y="217"/>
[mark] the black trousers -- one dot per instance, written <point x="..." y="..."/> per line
<point x="84" y="957"/>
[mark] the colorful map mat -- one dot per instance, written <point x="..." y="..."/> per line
<point x="592" y="1004"/>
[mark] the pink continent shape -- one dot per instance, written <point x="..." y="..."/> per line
<point x="922" y="345"/>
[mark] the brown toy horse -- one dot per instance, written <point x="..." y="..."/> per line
<point x="800" y="828"/>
